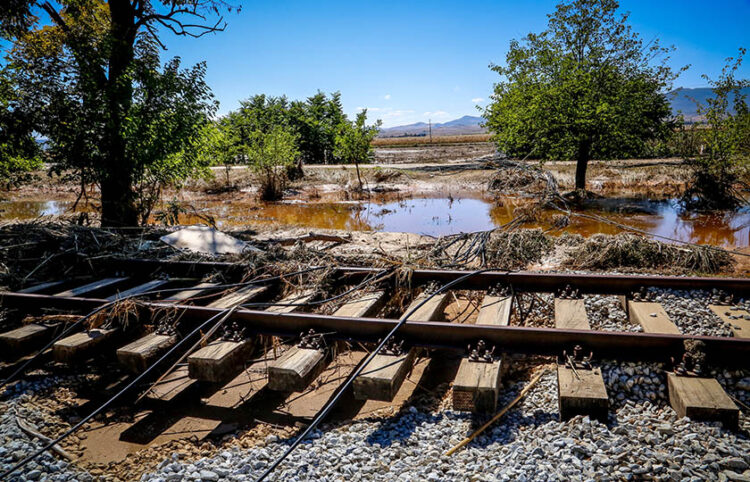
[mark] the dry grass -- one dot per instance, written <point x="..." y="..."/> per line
<point x="424" y="140"/>
<point x="626" y="250"/>
<point x="518" y="248"/>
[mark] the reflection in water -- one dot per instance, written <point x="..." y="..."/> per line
<point x="446" y="215"/>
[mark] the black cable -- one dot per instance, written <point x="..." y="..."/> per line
<point x="329" y="405"/>
<point x="109" y="304"/>
<point x="148" y="370"/>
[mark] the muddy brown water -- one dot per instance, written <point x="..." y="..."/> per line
<point x="443" y="214"/>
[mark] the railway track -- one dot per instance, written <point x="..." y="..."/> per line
<point x="269" y="346"/>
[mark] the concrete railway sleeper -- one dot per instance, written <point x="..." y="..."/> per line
<point x="228" y="364"/>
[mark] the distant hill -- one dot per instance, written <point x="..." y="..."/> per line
<point x="683" y="101"/>
<point x="467" y="124"/>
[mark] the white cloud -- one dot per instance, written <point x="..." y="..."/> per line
<point x="437" y="114"/>
<point x="375" y="109"/>
<point x="387" y="96"/>
<point x="477" y="100"/>
<point x="397" y="113"/>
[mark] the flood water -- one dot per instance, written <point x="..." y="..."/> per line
<point x="444" y="215"/>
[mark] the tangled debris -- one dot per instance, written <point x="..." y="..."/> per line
<point x="517" y="249"/>
<point x="626" y="250"/>
<point x="513" y="178"/>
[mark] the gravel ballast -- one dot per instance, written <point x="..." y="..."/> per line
<point x="643" y="437"/>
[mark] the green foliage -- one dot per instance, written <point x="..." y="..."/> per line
<point x="585" y="87"/>
<point x="113" y="115"/>
<point x="163" y="129"/>
<point x="134" y="142"/>
<point x="16" y="170"/>
<point x="270" y="154"/>
<point x="353" y="141"/>
<point x="725" y="135"/>
<point x="259" y="113"/>
<point x="19" y="151"/>
<point x="218" y="146"/>
<point x="315" y="121"/>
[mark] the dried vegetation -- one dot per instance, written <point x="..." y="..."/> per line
<point x="625" y="250"/>
<point x="517" y="249"/>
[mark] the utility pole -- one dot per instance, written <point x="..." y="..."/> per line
<point x="430" y="124"/>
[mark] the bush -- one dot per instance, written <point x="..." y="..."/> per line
<point x="271" y="154"/>
<point x="17" y="170"/>
<point x="726" y="137"/>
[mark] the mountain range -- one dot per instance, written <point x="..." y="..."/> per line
<point x="683" y="102"/>
<point x="467" y="124"/>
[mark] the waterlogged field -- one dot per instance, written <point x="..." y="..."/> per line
<point x="443" y="215"/>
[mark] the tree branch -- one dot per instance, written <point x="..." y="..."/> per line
<point x="177" y="26"/>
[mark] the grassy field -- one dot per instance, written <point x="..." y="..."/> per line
<point x="424" y="140"/>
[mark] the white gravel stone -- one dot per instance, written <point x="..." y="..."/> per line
<point x="16" y="445"/>
<point x="642" y="437"/>
<point x="689" y="311"/>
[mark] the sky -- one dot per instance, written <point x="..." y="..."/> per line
<point x="418" y="61"/>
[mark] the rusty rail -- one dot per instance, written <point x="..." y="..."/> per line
<point x="510" y="339"/>
<point x="520" y="280"/>
<point x="551" y="282"/>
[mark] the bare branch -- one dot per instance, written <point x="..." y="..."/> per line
<point x="183" y="29"/>
<point x="173" y="21"/>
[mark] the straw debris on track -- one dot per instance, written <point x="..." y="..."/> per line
<point x="625" y="250"/>
<point x="517" y="249"/>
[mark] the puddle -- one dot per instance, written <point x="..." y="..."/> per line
<point x="445" y="215"/>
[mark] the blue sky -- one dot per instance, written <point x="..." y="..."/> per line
<point x="414" y="61"/>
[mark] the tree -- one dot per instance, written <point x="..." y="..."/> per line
<point x="87" y="59"/>
<point x="270" y="154"/>
<point x="19" y="151"/>
<point x="218" y="146"/>
<point x="316" y="122"/>
<point x="354" y="141"/>
<point x="726" y="137"/>
<point x="260" y="113"/>
<point x="586" y="87"/>
<point x="163" y="131"/>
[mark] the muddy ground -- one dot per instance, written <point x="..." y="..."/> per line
<point x="151" y="435"/>
<point x="409" y="170"/>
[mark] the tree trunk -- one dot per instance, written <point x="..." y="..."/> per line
<point x="118" y="197"/>
<point x="359" y="178"/>
<point x="584" y="151"/>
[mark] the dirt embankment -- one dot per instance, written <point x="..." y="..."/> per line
<point x="410" y="169"/>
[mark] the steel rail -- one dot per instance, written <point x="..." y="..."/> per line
<point x="585" y="283"/>
<point x="522" y="281"/>
<point x="727" y="351"/>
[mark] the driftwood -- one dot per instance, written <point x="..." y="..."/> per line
<point x="30" y="430"/>
<point x="502" y="412"/>
<point x="51" y="319"/>
<point x="311" y="237"/>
